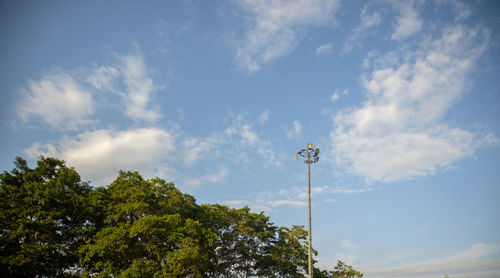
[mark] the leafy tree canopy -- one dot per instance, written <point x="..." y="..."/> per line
<point x="55" y="225"/>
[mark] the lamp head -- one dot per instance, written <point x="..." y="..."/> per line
<point x="310" y="146"/>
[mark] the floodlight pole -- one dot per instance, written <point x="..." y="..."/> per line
<point x="309" y="212"/>
<point x="307" y="153"/>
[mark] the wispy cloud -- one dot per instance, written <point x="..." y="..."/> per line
<point x="295" y="131"/>
<point x="343" y="190"/>
<point x="264" y="117"/>
<point x="139" y="89"/>
<point x="269" y="201"/>
<point x="128" y="77"/>
<point x="103" y="77"/>
<point x="324" y="49"/>
<point x="272" y="28"/>
<point x="238" y="143"/>
<point x="99" y="154"/>
<point x="336" y="95"/>
<point x="193" y="183"/>
<point x="249" y="139"/>
<point x="262" y="204"/>
<point x="57" y="99"/>
<point x="462" y="9"/>
<point x="170" y="31"/>
<point x="398" y="132"/>
<point x="294" y="197"/>
<point x="195" y="149"/>
<point x="407" y="22"/>
<point x="367" y="20"/>
<point x="476" y="261"/>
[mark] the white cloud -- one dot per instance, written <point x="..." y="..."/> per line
<point x="195" y="149"/>
<point x="250" y="139"/>
<point x="479" y="260"/>
<point x="324" y="49"/>
<point x="56" y="99"/>
<point x="490" y="139"/>
<point x="476" y="261"/>
<point x="300" y="193"/>
<point x="295" y="131"/>
<point x="336" y="95"/>
<point x="398" y="132"/>
<point x="267" y="205"/>
<point x="407" y="22"/>
<point x="248" y="136"/>
<point x="99" y="155"/>
<point x="264" y="117"/>
<point x="294" y="197"/>
<point x="65" y="100"/>
<point x="102" y="77"/>
<point x="193" y="183"/>
<point x="139" y="89"/>
<point x="270" y="201"/>
<point x="343" y="190"/>
<point x="218" y="176"/>
<point x="130" y="73"/>
<point x="273" y="25"/>
<point x="367" y="21"/>
<point x="461" y="9"/>
<point x="376" y="60"/>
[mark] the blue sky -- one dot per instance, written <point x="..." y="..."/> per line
<point x="217" y="96"/>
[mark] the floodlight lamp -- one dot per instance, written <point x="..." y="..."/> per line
<point x="310" y="146"/>
<point x="316" y="151"/>
<point x="316" y="159"/>
<point x="297" y="155"/>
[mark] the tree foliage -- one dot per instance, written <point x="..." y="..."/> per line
<point x="55" y="225"/>
<point x="341" y="270"/>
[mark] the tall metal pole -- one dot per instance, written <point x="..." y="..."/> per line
<point x="307" y="153"/>
<point x="309" y="212"/>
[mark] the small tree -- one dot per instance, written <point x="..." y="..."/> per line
<point x="342" y="270"/>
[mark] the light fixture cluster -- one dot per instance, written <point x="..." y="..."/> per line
<point x="308" y="153"/>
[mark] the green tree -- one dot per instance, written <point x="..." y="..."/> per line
<point x="54" y="225"/>
<point x="249" y="245"/>
<point x="242" y="241"/>
<point x="43" y="218"/>
<point x="341" y="270"/>
<point x="149" y="230"/>
<point x="289" y="252"/>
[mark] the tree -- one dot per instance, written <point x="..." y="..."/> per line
<point x="289" y="253"/>
<point x="43" y="217"/>
<point x="54" y="225"/>
<point x="148" y="231"/>
<point x="341" y="270"/>
<point x="242" y="241"/>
